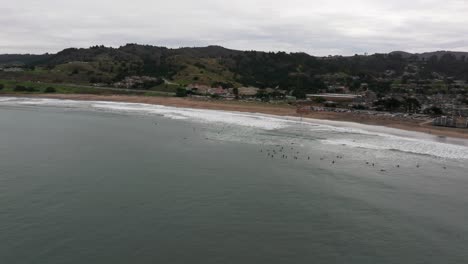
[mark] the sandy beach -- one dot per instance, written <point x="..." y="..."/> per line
<point x="280" y="110"/>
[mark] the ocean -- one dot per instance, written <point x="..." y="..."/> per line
<point x="107" y="182"/>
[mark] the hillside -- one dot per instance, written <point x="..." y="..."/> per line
<point x="217" y="65"/>
<point x="22" y="59"/>
<point x="459" y="55"/>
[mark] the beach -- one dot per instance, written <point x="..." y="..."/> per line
<point x="271" y="109"/>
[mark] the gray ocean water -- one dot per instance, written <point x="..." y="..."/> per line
<point x="95" y="182"/>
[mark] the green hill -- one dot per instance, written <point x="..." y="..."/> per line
<point x="218" y="65"/>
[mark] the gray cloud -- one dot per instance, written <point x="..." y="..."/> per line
<point x="318" y="27"/>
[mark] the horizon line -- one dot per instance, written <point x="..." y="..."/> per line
<point x="241" y="50"/>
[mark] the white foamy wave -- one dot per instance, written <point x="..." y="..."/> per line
<point x="7" y="99"/>
<point x="43" y="102"/>
<point x="336" y="133"/>
<point x="349" y="130"/>
<point x="235" y="118"/>
<point x="211" y="116"/>
<point x="408" y="145"/>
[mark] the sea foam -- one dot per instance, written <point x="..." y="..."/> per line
<point x="336" y="133"/>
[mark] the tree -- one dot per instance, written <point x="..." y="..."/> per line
<point x="181" y="92"/>
<point x="359" y="107"/>
<point x="224" y="85"/>
<point x="20" y="88"/>
<point x="433" y="111"/>
<point x="50" y="90"/>
<point x="149" y="84"/>
<point x="320" y="100"/>
<point x="411" y="104"/>
<point x="2" y="86"/>
<point x="388" y="104"/>
<point x="299" y="94"/>
<point x="263" y="95"/>
<point x="355" y="85"/>
<point x="235" y="91"/>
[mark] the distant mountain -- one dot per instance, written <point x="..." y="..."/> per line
<point x="200" y="52"/>
<point x="427" y="55"/>
<point x="403" y="54"/>
<point x="21" y="59"/>
<point x="210" y="51"/>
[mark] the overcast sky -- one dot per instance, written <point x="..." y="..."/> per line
<point x="318" y="27"/>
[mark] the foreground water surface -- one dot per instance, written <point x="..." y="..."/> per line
<point x="97" y="182"/>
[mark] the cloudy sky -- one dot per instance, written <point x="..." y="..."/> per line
<point x="318" y="27"/>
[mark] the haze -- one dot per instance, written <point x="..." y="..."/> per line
<point x="316" y="27"/>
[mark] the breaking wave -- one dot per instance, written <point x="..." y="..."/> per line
<point x="331" y="132"/>
<point x="407" y="145"/>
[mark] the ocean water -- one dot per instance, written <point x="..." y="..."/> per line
<point x="103" y="182"/>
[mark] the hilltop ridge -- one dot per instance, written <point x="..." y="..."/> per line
<point x="234" y="68"/>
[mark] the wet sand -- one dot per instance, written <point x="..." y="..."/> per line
<point x="280" y="110"/>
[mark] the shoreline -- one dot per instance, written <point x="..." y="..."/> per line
<point x="270" y="109"/>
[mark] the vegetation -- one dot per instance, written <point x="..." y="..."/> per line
<point x="181" y="92"/>
<point x="434" y="111"/>
<point x="21" y="88"/>
<point x="50" y="90"/>
<point x="320" y="100"/>
<point x="388" y="104"/>
<point x="399" y="81"/>
<point x="224" y="85"/>
<point x="359" y="107"/>
<point x="411" y="105"/>
<point x="218" y="66"/>
<point x="299" y="93"/>
<point x="11" y="87"/>
<point x="263" y="95"/>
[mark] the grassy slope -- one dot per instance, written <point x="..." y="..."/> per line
<point x="203" y="71"/>
<point x="168" y="88"/>
<point x="104" y="68"/>
<point x="72" y="89"/>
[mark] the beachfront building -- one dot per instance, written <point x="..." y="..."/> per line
<point x="248" y="91"/>
<point x="219" y="91"/>
<point x="12" y="69"/>
<point x="199" y="89"/>
<point x="447" y="121"/>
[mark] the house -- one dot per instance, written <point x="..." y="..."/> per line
<point x="219" y="91"/>
<point x="13" y="69"/>
<point x="337" y="89"/>
<point x="199" y="88"/>
<point x="137" y="82"/>
<point x="447" y="121"/>
<point x="248" y="91"/>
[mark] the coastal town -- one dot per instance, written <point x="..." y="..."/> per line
<point x="431" y="88"/>
<point x="410" y="101"/>
<point x="406" y="101"/>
